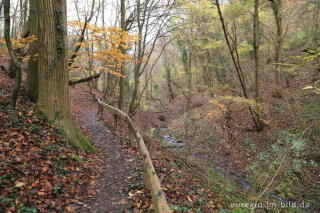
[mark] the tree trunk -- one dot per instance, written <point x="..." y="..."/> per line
<point x="122" y="71"/>
<point x="32" y="83"/>
<point x="53" y="70"/>
<point x="15" y="62"/>
<point x="169" y="83"/>
<point x="276" y="6"/>
<point x="256" y="46"/>
<point x="316" y="25"/>
<point x="133" y="104"/>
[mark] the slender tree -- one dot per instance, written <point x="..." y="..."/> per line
<point x="15" y="61"/>
<point x="137" y="66"/>
<point x="277" y="7"/>
<point x="256" y="46"/>
<point x="169" y="79"/>
<point x="122" y="71"/>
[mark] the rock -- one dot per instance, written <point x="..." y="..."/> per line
<point x="162" y="118"/>
<point x="245" y="184"/>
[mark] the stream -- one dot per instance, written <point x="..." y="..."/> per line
<point x="242" y="182"/>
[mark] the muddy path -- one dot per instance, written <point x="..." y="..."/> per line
<point x="109" y="193"/>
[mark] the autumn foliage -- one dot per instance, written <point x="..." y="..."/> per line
<point x="103" y="45"/>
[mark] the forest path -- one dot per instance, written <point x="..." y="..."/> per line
<point x="110" y="192"/>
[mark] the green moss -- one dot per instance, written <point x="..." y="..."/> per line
<point x="84" y="142"/>
<point x="70" y="132"/>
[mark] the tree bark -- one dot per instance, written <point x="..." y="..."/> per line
<point x="32" y="84"/>
<point x="123" y="51"/>
<point x="276" y="6"/>
<point x="169" y="82"/>
<point x="53" y="69"/>
<point x="90" y="78"/>
<point x="256" y="46"/>
<point x="133" y="104"/>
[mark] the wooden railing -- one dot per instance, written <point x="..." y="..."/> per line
<point x="151" y="179"/>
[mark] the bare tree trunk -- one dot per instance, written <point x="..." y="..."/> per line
<point x="256" y="46"/>
<point x="16" y="63"/>
<point x="316" y="31"/>
<point x="53" y="69"/>
<point x="123" y="51"/>
<point x="169" y="82"/>
<point x="276" y="6"/>
<point x="23" y="14"/>
<point x="133" y="103"/>
<point x="316" y="25"/>
<point x="137" y="66"/>
<point x="32" y="83"/>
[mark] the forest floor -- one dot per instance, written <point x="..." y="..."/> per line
<point x="39" y="170"/>
<point x="212" y="169"/>
<point x="116" y="165"/>
<point x="218" y="133"/>
<point x="182" y="182"/>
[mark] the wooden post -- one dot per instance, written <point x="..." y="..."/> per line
<point x="131" y="137"/>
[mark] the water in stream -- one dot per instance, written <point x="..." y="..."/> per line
<point x="171" y="140"/>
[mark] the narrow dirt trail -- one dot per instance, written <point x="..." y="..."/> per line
<point x="110" y="192"/>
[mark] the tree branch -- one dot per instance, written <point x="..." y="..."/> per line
<point x="81" y="38"/>
<point x="90" y="78"/>
<point x="13" y="57"/>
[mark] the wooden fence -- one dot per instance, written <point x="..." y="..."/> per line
<point x="151" y="179"/>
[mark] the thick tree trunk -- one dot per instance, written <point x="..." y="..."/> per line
<point x="53" y="69"/>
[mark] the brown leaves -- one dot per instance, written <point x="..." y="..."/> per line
<point x="37" y="168"/>
<point x="20" y="184"/>
<point x="41" y="193"/>
<point x="45" y="169"/>
<point x="70" y="208"/>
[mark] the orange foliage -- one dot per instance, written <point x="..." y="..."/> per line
<point x="105" y="44"/>
<point x="16" y="43"/>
